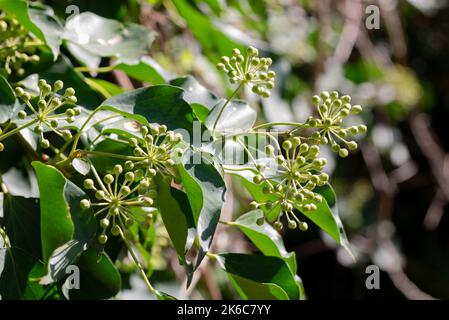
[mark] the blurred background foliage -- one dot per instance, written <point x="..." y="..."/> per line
<point x="393" y="193"/>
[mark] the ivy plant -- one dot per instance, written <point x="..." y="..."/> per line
<point x="113" y="174"/>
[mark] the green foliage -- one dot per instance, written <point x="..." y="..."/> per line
<point x="131" y="174"/>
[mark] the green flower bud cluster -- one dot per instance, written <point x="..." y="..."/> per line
<point x="250" y="70"/>
<point x="117" y="193"/>
<point x="43" y="112"/>
<point x="16" y="47"/>
<point x="156" y="151"/>
<point x="297" y="175"/>
<point x="332" y="110"/>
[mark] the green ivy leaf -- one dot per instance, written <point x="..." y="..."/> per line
<point x="101" y="37"/>
<point x="177" y="216"/>
<point x="17" y="262"/>
<point x="205" y="190"/>
<point x="265" y="237"/>
<point x="238" y="116"/>
<point x="7" y="100"/>
<point x="261" y="270"/>
<point x="66" y="228"/>
<point x="210" y="35"/>
<point x="244" y="178"/>
<point x="158" y="104"/>
<point x="106" y="88"/>
<point x="200" y="99"/>
<point x="252" y="290"/>
<point x="329" y="195"/>
<point x="147" y="69"/>
<point x="99" y="279"/>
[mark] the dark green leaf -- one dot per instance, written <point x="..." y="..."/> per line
<point x="66" y="228"/>
<point x="265" y="237"/>
<point x="177" y="216"/>
<point x="212" y="37"/>
<point x="252" y="290"/>
<point x="262" y="270"/>
<point x="162" y="104"/>
<point x="50" y="26"/>
<point x="99" y="279"/>
<point x="108" y="38"/>
<point x="205" y="190"/>
<point x="146" y="70"/>
<point x="7" y="100"/>
<point x="237" y="116"/>
<point x="200" y="99"/>
<point x="21" y="221"/>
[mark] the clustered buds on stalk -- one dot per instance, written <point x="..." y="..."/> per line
<point x="291" y="186"/>
<point x="332" y="110"/>
<point x="156" y="150"/>
<point x="250" y="70"/>
<point x="16" y="47"/>
<point x="117" y="193"/>
<point x="43" y="112"/>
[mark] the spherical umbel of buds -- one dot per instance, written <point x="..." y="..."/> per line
<point x="43" y="113"/>
<point x="332" y="110"/>
<point x="249" y="70"/>
<point x="155" y="150"/>
<point x="297" y="173"/>
<point x="117" y="192"/>
<point x="17" y="47"/>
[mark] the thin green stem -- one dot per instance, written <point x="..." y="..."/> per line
<point x="18" y="129"/>
<point x="225" y="105"/>
<point x="139" y="266"/>
<point x="3" y="187"/>
<point x="97" y="70"/>
<point x="113" y="155"/>
<point x="78" y="134"/>
<point x="272" y="124"/>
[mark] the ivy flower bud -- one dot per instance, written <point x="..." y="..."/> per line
<point x="343" y="152"/>
<point x="104" y="223"/>
<point x="287" y="145"/>
<point x="258" y="179"/>
<point x="58" y="85"/>
<point x="45" y="144"/>
<point x="99" y="194"/>
<point x="118" y="169"/>
<point x="85" y="204"/>
<point x="69" y="92"/>
<point x="253" y="205"/>
<point x="108" y="179"/>
<point x="129" y="165"/>
<point x="19" y="92"/>
<point x="125" y="190"/>
<point x="116" y="230"/>
<point x="133" y="142"/>
<point x="129" y="176"/>
<point x="303" y="226"/>
<point x="102" y="239"/>
<point x="352" y="145"/>
<point x="269" y="150"/>
<point x="292" y="224"/>
<point x="88" y="184"/>
<point x="148" y="202"/>
<point x="22" y="114"/>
